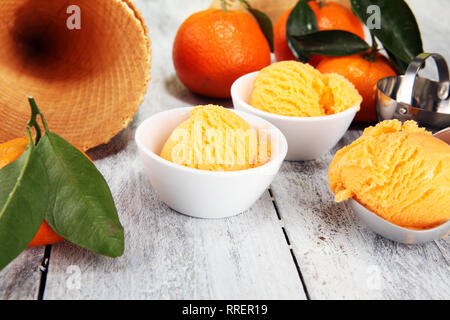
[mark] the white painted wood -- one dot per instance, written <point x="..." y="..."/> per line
<point x="168" y="255"/>
<point x="173" y="256"/>
<point x="339" y="257"/>
<point x="20" y="279"/>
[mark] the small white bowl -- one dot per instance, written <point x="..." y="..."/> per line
<point x="308" y="137"/>
<point x="395" y="232"/>
<point x="201" y="193"/>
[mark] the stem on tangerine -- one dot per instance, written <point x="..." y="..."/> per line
<point x="224" y="5"/>
<point x="30" y="138"/>
<point x="33" y="123"/>
<point x="374" y="49"/>
<point x="245" y="4"/>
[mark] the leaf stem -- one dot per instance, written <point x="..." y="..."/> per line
<point x="35" y="111"/>
<point x="224" y="5"/>
<point x="374" y="49"/>
<point x="30" y="138"/>
<point x="374" y="42"/>
<point x="33" y="123"/>
<point x="245" y="4"/>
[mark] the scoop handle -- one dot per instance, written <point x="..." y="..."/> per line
<point x="405" y="91"/>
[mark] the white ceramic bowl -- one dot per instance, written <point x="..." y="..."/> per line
<point x="397" y="233"/>
<point x="201" y="193"/>
<point x="308" y="137"/>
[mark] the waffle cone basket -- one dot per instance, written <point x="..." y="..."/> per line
<point x="88" y="82"/>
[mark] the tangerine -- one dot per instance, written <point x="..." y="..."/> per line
<point x="213" y="48"/>
<point x="9" y="152"/>
<point x="364" y="71"/>
<point x="329" y="16"/>
<point x="45" y="236"/>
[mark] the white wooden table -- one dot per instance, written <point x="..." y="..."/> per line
<point x="294" y="243"/>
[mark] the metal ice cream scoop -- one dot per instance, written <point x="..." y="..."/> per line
<point x="410" y="97"/>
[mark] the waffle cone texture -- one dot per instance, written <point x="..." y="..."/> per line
<point x="88" y="83"/>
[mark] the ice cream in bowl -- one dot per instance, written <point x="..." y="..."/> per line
<point x="313" y="110"/>
<point x="396" y="177"/>
<point x="209" y="161"/>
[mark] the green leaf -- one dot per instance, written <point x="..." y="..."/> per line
<point x="297" y="50"/>
<point x="334" y="43"/>
<point x="23" y="201"/>
<point x="399" y="66"/>
<point x="81" y="207"/>
<point x="301" y="21"/>
<point x="399" y="32"/>
<point x="265" y="24"/>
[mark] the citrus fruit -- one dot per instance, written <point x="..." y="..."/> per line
<point x="329" y="16"/>
<point x="45" y="236"/>
<point x="364" y="71"/>
<point x="9" y="152"/>
<point x="213" y="48"/>
<point x="12" y="150"/>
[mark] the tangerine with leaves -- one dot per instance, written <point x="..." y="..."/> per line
<point x="329" y="16"/>
<point x="9" y="152"/>
<point x="213" y="48"/>
<point x="364" y="71"/>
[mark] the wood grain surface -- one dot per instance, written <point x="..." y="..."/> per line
<point x="294" y="232"/>
<point x="339" y="257"/>
<point x="21" y="278"/>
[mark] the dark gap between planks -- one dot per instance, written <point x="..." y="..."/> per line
<point x="46" y="260"/>
<point x="294" y="258"/>
<point x="44" y="269"/>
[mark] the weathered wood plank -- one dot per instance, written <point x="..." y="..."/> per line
<point x="339" y="257"/>
<point x="169" y="255"/>
<point x="21" y="278"/>
<point x="173" y="256"/>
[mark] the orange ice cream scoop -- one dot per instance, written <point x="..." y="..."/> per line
<point x="398" y="171"/>
<point x="296" y="89"/>
<point x="216" y="139"/>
